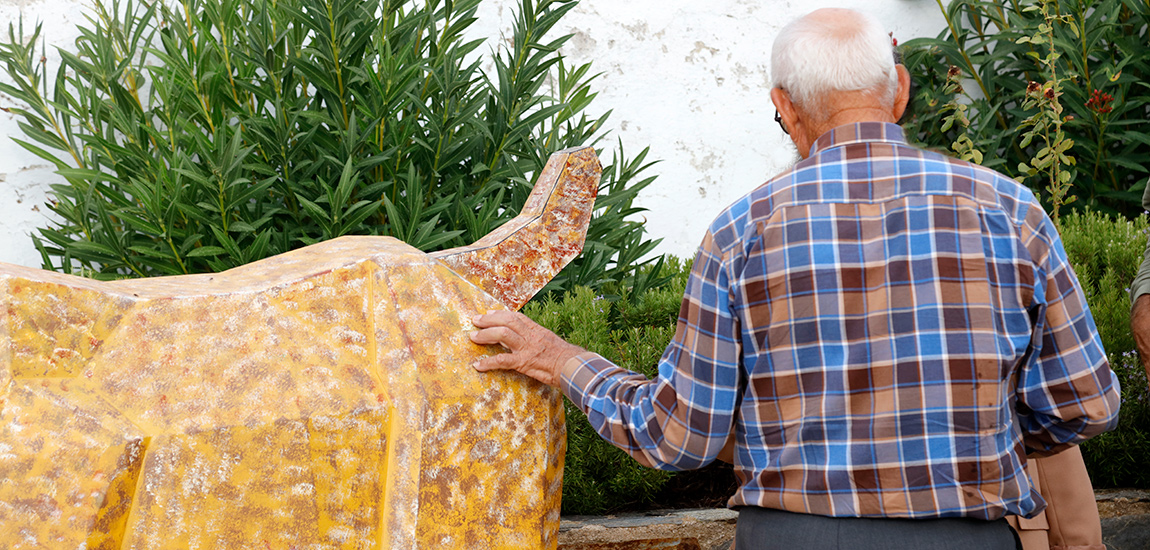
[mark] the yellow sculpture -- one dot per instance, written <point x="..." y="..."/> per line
<point x="319" y="399"/>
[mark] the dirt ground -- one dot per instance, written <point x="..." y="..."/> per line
<point x="1123" y="507"/>
<point x="711" y="535"/>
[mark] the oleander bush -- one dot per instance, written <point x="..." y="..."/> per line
<point x="1053" y="92"/>
<point x="198" y="135"/>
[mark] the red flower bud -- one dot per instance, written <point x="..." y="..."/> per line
<point x="1100" y="102"/>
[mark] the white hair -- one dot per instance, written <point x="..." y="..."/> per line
<point x="815" y="56"/>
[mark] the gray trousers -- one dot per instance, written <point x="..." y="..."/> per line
<point x="767" y="529"/>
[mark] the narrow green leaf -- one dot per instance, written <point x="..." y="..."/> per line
<point x="205" y="251"/>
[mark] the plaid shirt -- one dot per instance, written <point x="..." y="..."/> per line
<point x="882" y="330"/>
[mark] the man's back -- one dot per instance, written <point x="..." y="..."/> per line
<point x="886" y="298"/>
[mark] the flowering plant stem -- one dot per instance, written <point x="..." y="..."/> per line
<point x="1052" y="158"/>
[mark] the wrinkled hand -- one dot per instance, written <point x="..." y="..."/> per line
<point x="535" y="351"/>
<point x="1140" y="326"/>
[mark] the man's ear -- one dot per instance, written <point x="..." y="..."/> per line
<point x="794" y="124"/>
<point x="785" y="108"/>
<point x="902" y="98"/>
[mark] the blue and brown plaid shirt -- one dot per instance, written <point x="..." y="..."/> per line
<point x="884" y="331"/>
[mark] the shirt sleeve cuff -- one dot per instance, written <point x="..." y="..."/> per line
<point x="579" y="373"/>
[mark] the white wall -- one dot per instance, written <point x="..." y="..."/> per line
<point x="24" y="177"/>
<point x="690" y="79"/>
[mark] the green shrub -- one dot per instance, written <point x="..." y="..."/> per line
<point x="199" y="135"/>
<point x="1106" y="253"/>
<point x="632" y="330"/>
<point x="1051" y="87"/>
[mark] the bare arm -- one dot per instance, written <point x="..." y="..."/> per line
<point x="1140" y="326"/>
<point x="1140" y="301"/>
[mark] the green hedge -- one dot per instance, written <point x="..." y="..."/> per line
<point x="633" y="330"/>
<point x="1106" y="253"/>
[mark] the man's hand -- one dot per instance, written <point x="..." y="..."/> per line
<point x="535" y="351"/>
<point x="1140" y="326"/>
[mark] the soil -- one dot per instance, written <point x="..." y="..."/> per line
<point x="1114" y="503"/>
<point x="710" y="535"/>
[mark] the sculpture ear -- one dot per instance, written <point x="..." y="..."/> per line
<point x="517" y="260"/>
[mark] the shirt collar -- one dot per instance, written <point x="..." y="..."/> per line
<point x="856" y="132"/>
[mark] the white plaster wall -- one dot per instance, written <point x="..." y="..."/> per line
<point x="690" y="79"/>
<point x="24" y="177"/>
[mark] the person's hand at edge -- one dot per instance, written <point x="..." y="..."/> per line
<point x="534" y="350"/>
<point x="1140" y="326"/>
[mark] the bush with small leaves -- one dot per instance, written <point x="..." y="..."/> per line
<point x="1106" y="253"/>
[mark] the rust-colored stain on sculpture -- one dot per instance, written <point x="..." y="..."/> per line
<point x="319" y="399"/>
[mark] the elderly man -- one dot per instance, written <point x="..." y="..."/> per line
<point x="881" y="332"/>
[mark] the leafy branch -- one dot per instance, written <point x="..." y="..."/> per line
<point x="1046" y="124"/>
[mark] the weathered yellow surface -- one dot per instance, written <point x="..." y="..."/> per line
<point x="66" y="460"/>
<point x="516" y="260"/>
<point x="323" y="398"/>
